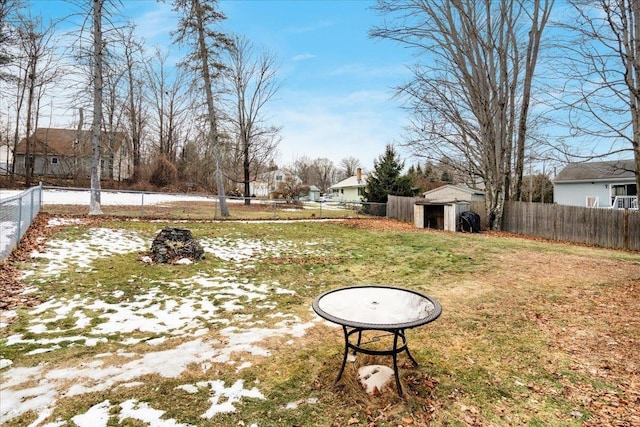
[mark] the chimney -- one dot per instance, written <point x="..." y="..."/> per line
<point x="358" y="174"/>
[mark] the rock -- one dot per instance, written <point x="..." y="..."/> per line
<point x="173" y="243"/>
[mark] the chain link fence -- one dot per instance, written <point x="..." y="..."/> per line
<point x="191" y="206"/>
<point x="18" y="210"/>
<point x="16" y="215"/>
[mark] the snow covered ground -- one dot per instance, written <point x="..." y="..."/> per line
<point x="152" y="320"/>
<point x="69" y="197"/>
<point x="8" y="223"/>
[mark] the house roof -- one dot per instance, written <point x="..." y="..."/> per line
<point x="351" y="182"/>
<point x="597" y="171"/>
<point x="462" y="188"/>
<point x="65" y="142"/>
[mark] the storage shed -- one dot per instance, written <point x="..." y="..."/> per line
<point x="439" y="215"/>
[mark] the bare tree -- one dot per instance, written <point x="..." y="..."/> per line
<point x="325" y="173"/>
<point x="348" y="167"/>
<point x="303" y="169"/>
<point x="467" y="96"/>
<point x="8" y="9"/>
<point x="252" y="82"/>
<point x="196" y="28"/>
<point x="169" y="103"/>
<point x="133" y="55"/>
<point x="96" y="123"/>
<point x="603" y="93"/>
<point x="37" y="71"/>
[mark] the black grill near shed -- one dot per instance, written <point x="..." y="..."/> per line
<point x="469" y="222"/>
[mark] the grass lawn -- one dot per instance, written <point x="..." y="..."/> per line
<point x="531" y="333"/>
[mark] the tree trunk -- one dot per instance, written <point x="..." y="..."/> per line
<point x="214" y="136"/>
<point x="94" y="205"/>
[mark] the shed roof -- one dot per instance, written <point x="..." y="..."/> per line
<point x="462" y="188"/>
<point x="597" y="171"/>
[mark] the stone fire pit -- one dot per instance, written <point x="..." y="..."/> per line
<point x="173" y="244"/>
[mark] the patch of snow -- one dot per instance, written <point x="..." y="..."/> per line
<point x="141" y="411"/>
<point x="96" y="416"/>
<point x="374" y="377"/>
<point x="155" y="318"/>
<point x="231" y="395"/>
<point x="55" y="222"/>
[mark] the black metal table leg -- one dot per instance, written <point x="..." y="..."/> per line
<point x="346" y="351"/>
<point x="396" y="333"/>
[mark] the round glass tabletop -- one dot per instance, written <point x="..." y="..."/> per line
<point x="377" y="307"/>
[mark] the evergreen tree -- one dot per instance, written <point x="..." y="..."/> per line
<point x="387" y="178"/>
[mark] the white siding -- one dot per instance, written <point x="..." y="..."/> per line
<point x="575" y="194"/>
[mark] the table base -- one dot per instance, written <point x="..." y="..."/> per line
<point x="399" y="345"/>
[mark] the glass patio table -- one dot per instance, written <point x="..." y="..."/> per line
<point x="376" y="308"/>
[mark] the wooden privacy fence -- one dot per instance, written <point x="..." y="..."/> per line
<point x="608" y="228"/>
<point x="401" y="208"/>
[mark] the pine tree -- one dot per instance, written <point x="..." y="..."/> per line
<point x="387" y="178"/>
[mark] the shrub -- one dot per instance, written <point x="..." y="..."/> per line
<point x="164" y="173"/>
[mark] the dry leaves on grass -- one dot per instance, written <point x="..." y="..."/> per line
<point x="12" y="289"/>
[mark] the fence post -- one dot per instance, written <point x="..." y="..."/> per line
<point x="142" y="204"/>
<point x="31" y="214"/>
<point x="19" y="234"/>
<point x="40" y="192"/>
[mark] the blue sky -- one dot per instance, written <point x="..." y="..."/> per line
<point x="336" y="98"/>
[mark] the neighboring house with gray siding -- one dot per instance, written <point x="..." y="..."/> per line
<point x="65" y="153"/>
<point x="597" y="184"/>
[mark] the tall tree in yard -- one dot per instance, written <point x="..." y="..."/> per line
<point x="96" y="123"/>
<point x="387" y="178"/>
<point x="252" y="83"/>
<point x="36" y="70"/>
<point x="470" y="93"/>
<point x="196" y="29"/>
<point x="133" y="55"/>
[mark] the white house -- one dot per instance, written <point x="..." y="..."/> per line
<point x="350" y="189"/>
<point x="268" y="182"/>
<point x="6" y="158"/>
<point x="451" y="192"/>
<point x="597" y="184"/>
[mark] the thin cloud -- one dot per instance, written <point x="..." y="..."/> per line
<point x="303" y="56"/>
<point x="309" y="28"/>
<point x="360" y="70"/>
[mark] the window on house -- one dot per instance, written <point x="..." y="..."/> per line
<point x="624" y="190"/>
<point x="54" y="160"/>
